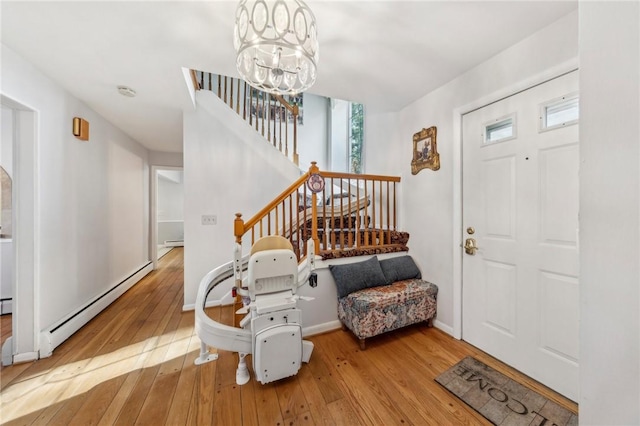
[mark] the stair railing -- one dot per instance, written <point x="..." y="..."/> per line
<point x="271" y="115"/>
<point x="351" y="211"/>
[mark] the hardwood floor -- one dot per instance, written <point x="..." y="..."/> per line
<point x="133" y="364"/>
<point x="5" y="328"/>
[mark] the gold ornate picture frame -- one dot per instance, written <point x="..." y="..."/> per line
<point x="425" y="151"/>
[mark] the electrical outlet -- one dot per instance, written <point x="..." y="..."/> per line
<point x="209" y="219"/>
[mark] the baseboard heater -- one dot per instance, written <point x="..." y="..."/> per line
<point x="174" y="243"/>
<point x="54" y="336"/>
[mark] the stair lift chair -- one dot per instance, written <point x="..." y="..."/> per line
<point x="273" y="317"/>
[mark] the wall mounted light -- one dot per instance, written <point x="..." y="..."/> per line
<point x="81" y="128"/>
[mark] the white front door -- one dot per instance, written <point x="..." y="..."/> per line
<point x="520" y="196"/>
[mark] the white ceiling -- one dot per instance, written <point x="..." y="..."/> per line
<point x="384" y="54"/>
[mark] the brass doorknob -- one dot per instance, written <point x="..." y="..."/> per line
<point x="470" y="246"/>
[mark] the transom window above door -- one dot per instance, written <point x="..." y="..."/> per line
<point x="559" y="112"/>
<point x="500" y="130"/>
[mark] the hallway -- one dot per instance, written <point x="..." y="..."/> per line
<point x="133" y="364"/>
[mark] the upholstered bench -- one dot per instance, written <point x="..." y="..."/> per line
<point x="379" y="296"/>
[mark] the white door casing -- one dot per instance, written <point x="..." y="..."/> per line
<point x="23" y="345"/>
<point x="520" y="194"/>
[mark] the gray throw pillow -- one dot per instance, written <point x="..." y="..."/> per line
<point x="399" y="268"/>
<point x="352" y="277"/>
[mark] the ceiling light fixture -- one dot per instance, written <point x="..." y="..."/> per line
<point x="126" y="91"/>
<point x="276" y="44"/>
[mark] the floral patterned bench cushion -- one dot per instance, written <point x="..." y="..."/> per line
<point x="376" y="310"/>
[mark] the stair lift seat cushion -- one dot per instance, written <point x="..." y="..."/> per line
<point x="273" y="267"/>
<point x="356" y="276"/>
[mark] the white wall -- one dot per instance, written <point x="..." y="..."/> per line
<point x="312" y="135"/>
<point x="92" y="197"/>
<point x="170" y="198"/>
<point x="228" y="168"/>
<point x="609" y="213"/>
<point x="339" y="136"/>
<point x="170" y="205"/>
<point x="427" y="198"/>
<point x="167" y="159"/>
<point x="384" y="151"/>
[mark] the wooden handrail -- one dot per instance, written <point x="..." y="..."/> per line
<point x="359" y="176"/>
<point x="354" y="211"/>
<point x="271" y="206"/>
<point x="194" y="80"/>
<point x="286" y="104"/>
<point x="268" y="111"/>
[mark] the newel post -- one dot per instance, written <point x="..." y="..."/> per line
<point x="238" y="231"/>
<point x="313" y="169"/>
<point x="238" y="228"/>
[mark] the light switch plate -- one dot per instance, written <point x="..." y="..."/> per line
<point x="209" y="219"/>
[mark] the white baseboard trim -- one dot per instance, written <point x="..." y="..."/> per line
<point x="25" y="357"/>
<point x="441" y="326"/>
<point x="321" y="328"/>
<point x="209" y="304"/>
<point x="226" y="300"/>
<point x="58" y="333"/>
<point x="8" y="358"/>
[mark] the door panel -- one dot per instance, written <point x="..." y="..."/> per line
<point x="500" y="181"/>
<point x="559" y="303"/>
<point x="520" y="289"/>
<point x="558" y="194"/>
<point x="500" y="301"/>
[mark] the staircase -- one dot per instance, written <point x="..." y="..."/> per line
<point x="272" y="116"/>
<point x="350" y="214"/>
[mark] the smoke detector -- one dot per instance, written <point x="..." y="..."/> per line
<point x="126" y="91"/>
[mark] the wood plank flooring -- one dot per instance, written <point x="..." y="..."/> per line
<point x="133" y="364"/>
<point x="5" y="328"/>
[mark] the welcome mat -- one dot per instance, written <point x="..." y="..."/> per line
<point x="500" y="399"/>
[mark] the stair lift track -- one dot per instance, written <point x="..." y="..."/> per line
<point x="212" y="333"/>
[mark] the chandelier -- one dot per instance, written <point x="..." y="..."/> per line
<point x="276" y="44"/>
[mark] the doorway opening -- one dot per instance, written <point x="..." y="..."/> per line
<point x="167" y="205"/>
<point x="18" y="158"/>
<point x="6" y="228"/>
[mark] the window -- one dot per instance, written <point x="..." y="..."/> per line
<point x="559" y="112"/>
<point x="356" y="137"/>
<point x="347" y="136"/>
<point x="500" y="130"/>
